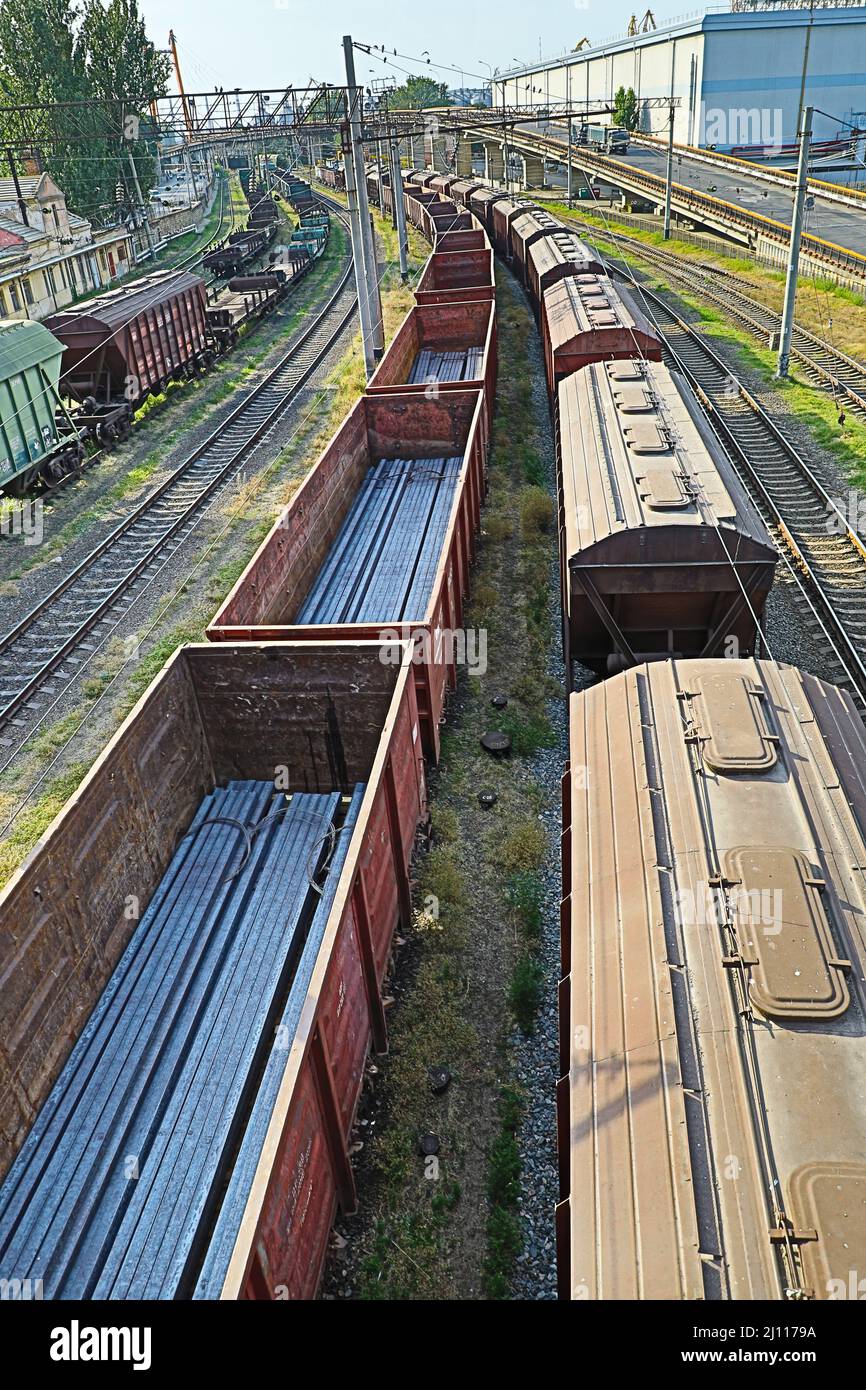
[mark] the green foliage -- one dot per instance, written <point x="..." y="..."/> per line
<point x="526" y="896"/>
<point x="524" y="992"/>
<point x="504" y="1239"/>
<point x="60" y="51"/>
<point x="626" y="111"/>
<point x="416" y="92"/>
<point x="537" y="513"/>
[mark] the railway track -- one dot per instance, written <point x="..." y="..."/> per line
<point x="41" y="656"/>
<point x="825" y="557"/>
<point x="823" y="364"/>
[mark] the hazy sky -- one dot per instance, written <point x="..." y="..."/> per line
<point x="250" y="43"/>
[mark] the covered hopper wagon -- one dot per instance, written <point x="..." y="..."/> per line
<point x="37" y="437"/>
<point x="662" y="552"/>
<point x="712" y="1107"/>
<point x="121" y="346"/>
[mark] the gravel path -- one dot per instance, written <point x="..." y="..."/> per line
<point x="536" y="1058"/>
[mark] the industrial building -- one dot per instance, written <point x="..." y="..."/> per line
<point x="739" y="73"/>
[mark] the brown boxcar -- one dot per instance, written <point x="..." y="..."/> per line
<point x="415" y="201"/>
<point x="554" y="257"/>
<point x="450" y="276"/>
<point x="330" y="715"/>
<point x="441" y="184"/>
<point x="662" y="552"/>
<point x="525" y="230"/>
<point x="504" y="214"/>
<point x="712" y="1107"/>
<point x="453" y="327"/>
<point x="586" y="319"/>
<point x="271" y="591"/>
<point x="461" y="189"/>
<point x="482" y="202"/>
<point x="130" y="342"/>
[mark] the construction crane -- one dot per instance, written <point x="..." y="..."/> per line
<point x="172" y="43"/>
<point x="642" y="26"/>
<point x="584" y="43"/>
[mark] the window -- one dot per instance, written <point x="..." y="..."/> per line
<point x="14" y="296"/>
<point x="3" y="310"/>
<point x="50" y="280"/>
<point x="28" y="293"/>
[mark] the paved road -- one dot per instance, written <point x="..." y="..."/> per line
<point x="843" y="225"/>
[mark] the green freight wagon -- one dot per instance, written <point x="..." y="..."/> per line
<point x="31" y="445"/>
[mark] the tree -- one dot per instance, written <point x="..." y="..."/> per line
<point x="57" y="51"/>
<point x="417" y="92"/>
<point x="41" y="62"/>
<point x="626" y="112"/>
<point x="123" y="65"/>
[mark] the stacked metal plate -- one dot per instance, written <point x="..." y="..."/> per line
<point x="383" y="562"/>
<point x="117" y="1185"/>
<point x="447" y="366"/>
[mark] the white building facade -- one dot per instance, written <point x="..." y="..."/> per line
<point x="738" y="74"/>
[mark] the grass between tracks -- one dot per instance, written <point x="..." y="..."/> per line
<point x="449" y="1227"/>
<point x="837" y="314"/>
<point x="52" y="764"/>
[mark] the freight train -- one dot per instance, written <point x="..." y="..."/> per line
<point x="697" y="788"/>
<point x="78" y="378"/>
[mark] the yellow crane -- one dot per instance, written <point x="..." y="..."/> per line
<point x="187" y="118"/>
<point x="642" y="26"/>
<point x="584" y="43"/>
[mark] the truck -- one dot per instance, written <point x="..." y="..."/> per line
<point x="611" y="139"/>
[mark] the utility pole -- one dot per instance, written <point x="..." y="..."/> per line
<point x="358" y="252"/>
<point x="568" y="118"/>
<point x="141" y="204"/>
<point x="22" y="202"/>
<point x="398" y="208"/>
<point x="505" y="155"/>
<point x="669" y="174"/>
<point x="796" y="237"/>
<point x="368" y="240"/>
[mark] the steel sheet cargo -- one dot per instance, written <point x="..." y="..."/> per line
<point x="128" y="343"/>
<point x="712" y="1107"/>
<point x="318" y="718"/>
<point x="272" y="591"/>
<point x="454" y="329"/>
<point x="662" y="552"/>
<point x="584" y="319"/>
<point x="452" y="276"/>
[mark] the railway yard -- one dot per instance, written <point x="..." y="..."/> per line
<point x="432" y="700"/>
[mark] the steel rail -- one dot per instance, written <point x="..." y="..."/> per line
<point x="844" y="556"/>
<point x="212" y="481"/>
<point x="838" y="373"/>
